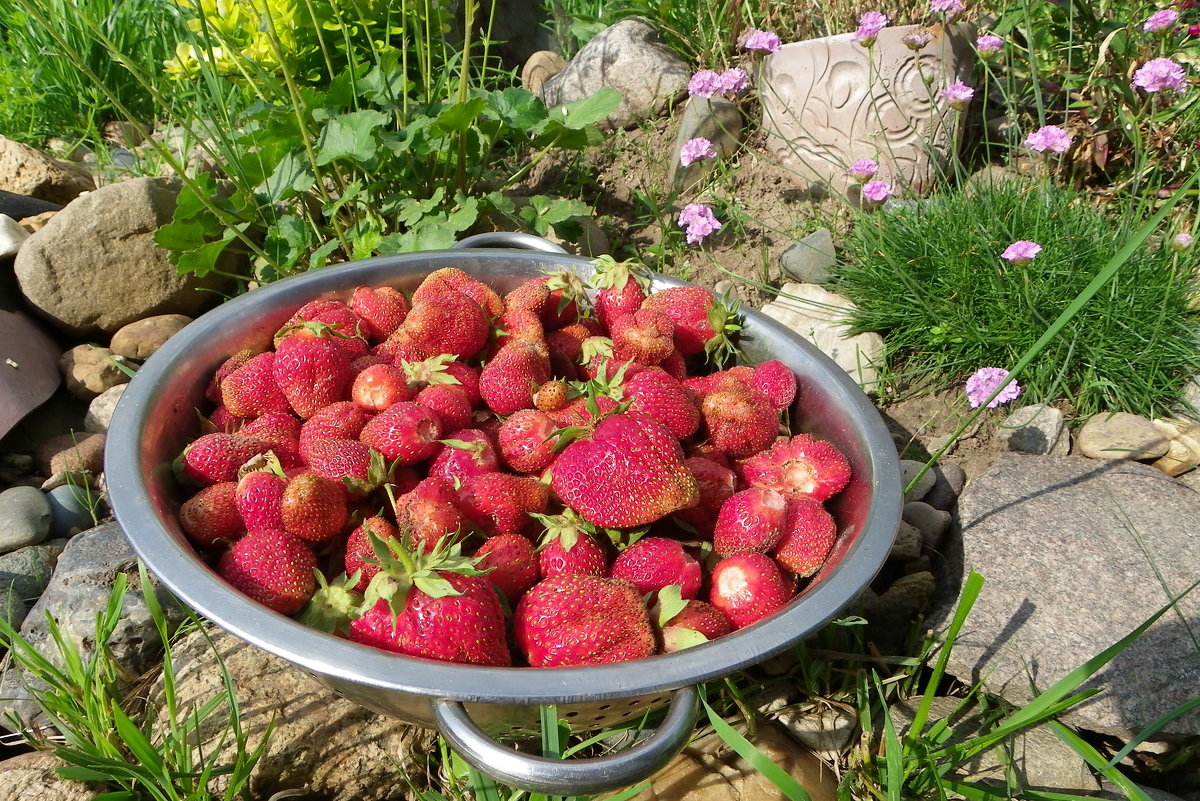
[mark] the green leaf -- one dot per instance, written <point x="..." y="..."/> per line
<point x="321" y="254"/>
<point x="291" y="175"/>
<point x="435" y="586"/>
<point x="590" y="110"/>
<point x="287" y="240"/>
<point x="459" y="116"/>
<point x="670" y="603"/>
<point x="350" y="136"/>
<point x="516" y="107"/>
<point x="676" y="638"/>
<point x="186" y="235"/>
<point x="757" y="759"/>
<point x="202" y="260"/>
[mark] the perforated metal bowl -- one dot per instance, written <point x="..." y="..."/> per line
<point x="469" y="704"/>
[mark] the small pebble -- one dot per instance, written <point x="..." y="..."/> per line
<point x="910" y="468"/>
<point x="28" y="570"/>
<point x="949" y="480"/>
<point x="827" y="730"/>
<point x="69" y="512"/>
<point x="907" y="545"/>
<point x="13" y="607"/>
<point x="932" y="523"/>
<point x="100" y="410"/>
<point x="24" y="518"/>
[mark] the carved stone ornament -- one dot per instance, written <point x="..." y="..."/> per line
<point x="829" y="102"/>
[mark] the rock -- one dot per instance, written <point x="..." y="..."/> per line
<point x="29" y="372"/>
<point x="91" y="370"/>
<point x="333" y="748"/>
<point x="716" y="119"/>
<point x="827" y="730"/>
<point x="628" y="57"/>
<point x="100" y="410"/>
<point x="931" y="522"/>
<point x="37" y="222"/>
<point x="1120" y="435"/>
<point x="541" y="66"/>
<point x="24" y="518"/>
<point x="31" y="777"/>
<point x="707" y="770"/>
<point x="26" y="171"/>
<point x="1036" y="429"/>
<point x="1077" y="553"/>
<point x="811" y="259"/>
<point x="1040" y="759"/>
<point x="12" y="236"/>
<point x="79" y="589"/>
<point x="81" y="454"/>
<point x="28" y="570"/>
<point x="907" y="545"/>
<point x="69" y="511"/>
<point x="13" y="608"/>
<point x="890" y="615"/>
<point x="139" y="339"/>
<point x="1183" y="448"/>
<point x="95" y="267"/>
<point x="20" y="206"/>
<point x="909" y="468"/>
<point x="949" y="480"/>
<point x="822" y="317"/>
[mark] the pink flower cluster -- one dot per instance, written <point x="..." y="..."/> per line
<point x="951" y="8"/>
<point x="707" y="83"/>
<point x="1049" y="138"/>
<point x="988" y="45"/>
<point x="761" y="40"/>
<point x="1162" y="20"/>
<point x="695" y="150"/>
<point x="917" y="40"/>
<point x="1021" y="252"/>
<point x="958" y="95"/>
<point x="869" y="26"/>
<point x="1181" y="241"/>
<point x="1159" y="75"/>
<point x="876" y="191"/>
<point x="863" y="170"/>
<point x="987" y="380"/>
<point x="699" y="221"/>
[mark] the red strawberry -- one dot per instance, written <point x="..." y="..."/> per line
<point x="501" y="503"/>
<point x="808" y="536"/>
<point x="565" y="347"/>
<point x="379" y="386"/>
<point x="511" y="564"/>
<point x="739" y="419"/>
<point x="449" y="322"/>
<point x="578" y="413"/>
<point x="282" y="432"/>
<point x="507" y="382"/>
<point x="211" y="517"/>
<point x="358" y="467"/>
<point x="629" y="472"/>
<point x="525" y="441"/>
<point x="454" y="279"/>
<point x="685" y="623"/>
<point x="216" y="457"/>
<point x="777" y="381"/>
<point x="463" y="454"/>
<point x="675" y="366"/>
<point x="797" y="466"/>
<point x="405" y="432"/>
<point x="341" y="420"/>
<point x="382" y="310"/>
<point x="402" y="346"/>
<point x="313" y="507"/>
<point x="751" y="520"/>
<point x="250" y="390"/>
<point x="333" y="319"/>
<point x="221" y="419"/>
<point x="312" y="373"/>
<point x="271" y="567"/>
<point x="652" y="563"/>
<point x="703" y="322"/>
<point x="430" y="513"/>
<point x="260" y="498"/>
<point x="213" y="393"/>
<point x="515" y="324"/>
<point x="530" y="296"/>
<point x="716" y="484"/>
<point x="620" y="288"/>
<point x="748" y="587"/>
<point x="582" y="620"/>
<point x="360" y="557"/>
<point x="656" y="394"/>
<point x="643" y="336"/>
<point x="566" y="293"/>
<point x="568" y="548"/>
<point x="449" y="402"/>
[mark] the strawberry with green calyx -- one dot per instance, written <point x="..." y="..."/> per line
<point x="211" y="517"/>
<point x="259" y="494"/>
<point x="282" y="431"/>
<point x="429" y="512"/>
<point x="797" y="466"/>
<point x="748" y="587"/>
<point x="621" y="287"/>
<point x="378" y="386"/>
<point x="568" y="546"/>
<point x="401" y="347"/>
<point x="507" y="382"/>
<point x="652" y="563"/>
<point x="382" y="310"/>
<point x="572" y="620"/>
<point x="328" y="318"/>
<point x="684" y="623"/>
<point x="359" y="558"/>
<point x="704" y="322"/>
<point x="333" y="605"/>
<point x="567" y="296"/>
<point x="566" y="347"/>
<point x="217" y="457"/>
<point x="596" y="358"/>
<point x="360" y="468"/>
<point x="809" y="532"/>
<point x="221" y="419"/>
<point x="463" y="454"/>
<point x="271" y="567"/>
<point x="436" y="606"/>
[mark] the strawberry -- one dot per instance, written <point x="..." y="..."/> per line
<point x="797" y="466"/>
<point x="507" y="382"/>
<point x="379" y="386"/>
<point x="271" y="567"/>
<point x="565" y="346"/>
<point x="583" y="411"/>
<point x="402" y="346"/>
<point x="454" y="279"/>
<point x="341" y="420"/>
<point x="213" y="392"/>
<point x="511" y="564"/>
<point x="382" y="310"/>
<point x="313" y="507"/>
<point x="526" y="441"/>
<point x="652" y="563"/>
<point x="327" y="318"/>
<point x="596" y="359"/>
<point x="450" y="323"/>
<point x="748" y="587"/>
<point x="629" y="472"/>
<point x="210" y="517"/>
<point x="501" y="503"/>
<point x="250" y="390"/>
<point x="686" y="622"/>
<point x="620" y="288"/>
<point x="704" y="323"/>
<point x="221" y="419"/>
<point x="358" y="467"/>
<point x="809" y="532"/>
<point x="463" y="454"/>
<point x="751" y="520"/>
<point x="716" y="483"/>
<point x="777" y="381"/>
<point x="430" y="513"/>
<point x="312" y="372"/>
<point x="644" y="336"/>
<point x="259" y="498"/>
<point x="405" y="432"/>
<point x="515" y="324"/>
<point x="281" y="431"/>
<point x="449" y="402"/>
<point x="568" y="548"/>
<point x="572" y="620"/>
<point x="360" y="557"/>
<point x="739" y="420"/>
<point x="567" y="292"/>
<point x="216" y="457"/>
<point x="656" y="394"/>
<point x="530" y="296"/>
<point x="552" y="395"/>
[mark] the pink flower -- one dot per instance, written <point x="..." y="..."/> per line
<point x="699" y="221"/>
<point x="916" y="40"/>
<point x="951" y="8"/>
<point x="1181" y="241"/>
<point x="876" y="191"/>
<point x="761" y="40"/>
<point x="986" y="380"/>
<point x="734" y="80"/>
<point x="862" y="170"/>
<point x="958" y="94"/>
<point x="988" y="45"/>
<point x="696" y="149"/>
<point x="1159" y="74"/>
<point x="1021" y="252"/>
<point x="705" y="83"/>
<point x="1161" y="20"/>
<point x="1049" y="137"/>
<point x="869" y="26"/>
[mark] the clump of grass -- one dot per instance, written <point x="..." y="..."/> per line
<point x="928" y="275"/>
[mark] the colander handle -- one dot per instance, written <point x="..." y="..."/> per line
<point x="569" y="776"/>
<point x="508" y="239"/>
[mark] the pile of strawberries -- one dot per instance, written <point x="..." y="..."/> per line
<point x="527" y="479"/>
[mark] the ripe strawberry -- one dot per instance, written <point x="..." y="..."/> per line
<point x="454" y="279"/>
<point x="656" y="394"/>
<point x="629" y="472"/>
<point x="645" y="336"/>
<point x="312" y="372"/>
<point x="684" y="623"/>
<point x="341" y="420"/>
<point x="777" y="381"/>
<point x="430" y="513"/>
<point x="281" y="431"/>
<point x="566" y="294"/>
<point x="704" y="323"/>
<point x="751" y="520"/>
<point x="358" y="467"/>
<point x="449" y="322"/>
<point x="259" y="498"/>
<point x="620" y="288"/>
<point x="216" y="457"/>
<point x="333" y="319"/>
<point x="402" y="346"/>
<point x="379" y="386"/>
<point x="565" y="346"/>
<point x="529" y="296"/>
<point x="716" y="483"/>
<point x="515" y="324"/>
<point x="360" y="557"/>
<point x="740" y="420"/>
<point x="809" y="532"/>
<point x="797" y="466"/>
<point x="313" y="507"/>
<point x="511" y="564"/>
<point x="652" y="563"/>
<point x="213" y="393"/>
<point x="221" y="419"/>
<point x="567" y="547"/>
<point x="210" y="517"/>
<point x="250" y="390"/>
<point x="463" y="454"/>
<point x="675" y="366"/>
<point x="449" y="402"/>
<point x="583" y="411"/>
<point x="271" y="567"/>
<point x="501" y="503"/>
<point x="507" y="382"/>
<point x="405" y="432"/>
<point x="748" y="587"/>
<point x="382" y="310"/>
<point x="582" y="620"/>
<point x="525" y="441"/>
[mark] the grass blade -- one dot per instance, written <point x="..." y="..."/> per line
<point x="1093" y="758"/>
<point x="757" y="759"/>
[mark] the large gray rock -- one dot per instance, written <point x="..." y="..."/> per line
<point x="628" y="57"/>
<point x="79" y="589"/>
<point x="714" y="118"/>
<point x="24" y="518"/>
<point x="94" y="267"/>
<point x="28" y="366"/>
<point x="333" y="748"/>
<point x="810" y="260"/>
<point x="32" y="777"/>
<point x="1076" y="554"/>
<point x="27" y="171"/>
<point x="28" y="570"/>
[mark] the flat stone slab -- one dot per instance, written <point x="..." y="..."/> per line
<point x="1077" y="553"/>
